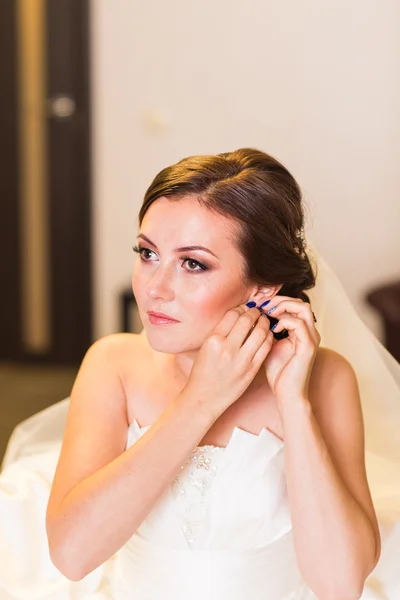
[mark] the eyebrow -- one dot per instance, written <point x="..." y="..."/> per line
<point x="182" y="249"/>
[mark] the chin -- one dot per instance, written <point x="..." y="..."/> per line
<point x="165" y="341"/>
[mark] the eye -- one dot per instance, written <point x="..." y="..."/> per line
<point x="196" y="262"/>
<point x="141" y="250"/>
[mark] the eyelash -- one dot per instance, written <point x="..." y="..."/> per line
<point x="140" y="249"/>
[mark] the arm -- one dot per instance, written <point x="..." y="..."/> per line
<point x="336" y="534"/>
<point x="96" y="516"/>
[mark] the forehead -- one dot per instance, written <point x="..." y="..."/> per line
<point x="187" y="221"/>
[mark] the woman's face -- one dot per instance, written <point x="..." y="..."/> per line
<point x="196" y="292"/>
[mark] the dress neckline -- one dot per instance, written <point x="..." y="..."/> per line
<point x="242" y="450"/>
<point x="264" y="431"/>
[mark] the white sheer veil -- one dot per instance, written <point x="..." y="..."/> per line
<point x="378" y="375"/>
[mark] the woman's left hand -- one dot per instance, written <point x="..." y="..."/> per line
<point x="290" y="360"/>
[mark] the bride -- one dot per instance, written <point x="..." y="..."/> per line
<point x="235" y="448"/>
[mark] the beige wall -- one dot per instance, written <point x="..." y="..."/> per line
<point x="316" y="84"/>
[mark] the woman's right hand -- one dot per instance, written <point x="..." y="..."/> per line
<point x="230" y="357"/>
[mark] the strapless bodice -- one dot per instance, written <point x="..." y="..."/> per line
<point x="221" y="530"/>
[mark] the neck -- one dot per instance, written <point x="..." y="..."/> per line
<point x="180" y="366"/>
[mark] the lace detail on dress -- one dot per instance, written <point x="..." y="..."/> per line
<point x="190" y="487"/>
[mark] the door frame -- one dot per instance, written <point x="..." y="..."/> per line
<point x="68" y="185"/>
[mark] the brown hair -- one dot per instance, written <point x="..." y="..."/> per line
<point x="262" y="197"/>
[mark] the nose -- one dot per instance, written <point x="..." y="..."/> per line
<point x="159" y="285"/>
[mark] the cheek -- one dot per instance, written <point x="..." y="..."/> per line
<point x="210" y="304"/>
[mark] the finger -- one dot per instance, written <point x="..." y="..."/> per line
<point x="298" y="327"/>
<point x="256" y="338"/>
<point x="292" y="306"/>
<point x="224" y="326"/>
<point x="308" y="319"/>
<point x="243" y="326"/>
<point x="297" y="309"/>
<point x="263" y="351"/>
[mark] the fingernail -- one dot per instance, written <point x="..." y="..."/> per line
<point x="251" y="304"/>
<point x="274" y="327"/>
<point x="264" y="304"/>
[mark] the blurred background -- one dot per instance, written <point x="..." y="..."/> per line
<point x="98" y="96"/>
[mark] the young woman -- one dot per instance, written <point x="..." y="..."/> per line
<point x="216" y="232"/>
<point x="214" y="455"/>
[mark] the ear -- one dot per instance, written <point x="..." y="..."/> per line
<point x="260" y="294"/>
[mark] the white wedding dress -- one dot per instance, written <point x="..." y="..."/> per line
<point x="221" y="531"/>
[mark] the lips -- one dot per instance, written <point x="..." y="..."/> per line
<point x="161" y="315"/>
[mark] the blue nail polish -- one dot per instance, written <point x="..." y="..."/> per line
<point x="264" y="303"/>
<point x="251" y="304"/>
<point x="274" y="327"/>
<point x="270" y="310"/>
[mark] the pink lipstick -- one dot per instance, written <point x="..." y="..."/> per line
<point x="157" y="318"/>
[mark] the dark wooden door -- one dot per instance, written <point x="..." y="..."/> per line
<point x="45" y="230"/>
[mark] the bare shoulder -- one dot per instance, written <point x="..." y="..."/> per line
<point x="125" y="352"/>
<point x="334" y="395"/>
<point x="328" y="357"/>
<point x="116" y="352"/>
<point x="137" y="371"/>
<point x="329" y="366"/>
<point x="120" y="345"/>
<point x="130" y="352"/>
<point x="96" y="424"/>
